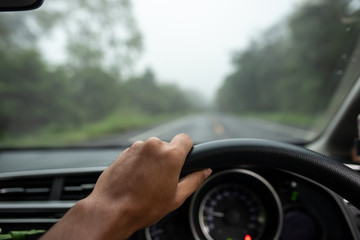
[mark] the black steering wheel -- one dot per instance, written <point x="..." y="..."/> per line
<point x="241" y="152"/>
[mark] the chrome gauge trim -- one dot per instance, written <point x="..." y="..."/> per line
<point x="239" y="171"/>
<point x="147" y="234"/>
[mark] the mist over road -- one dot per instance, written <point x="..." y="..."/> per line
<point x="205" y="127"/>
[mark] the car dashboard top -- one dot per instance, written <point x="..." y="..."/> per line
<point x="236" y="202"/>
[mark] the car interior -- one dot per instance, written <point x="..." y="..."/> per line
<point x="259" y="188"/>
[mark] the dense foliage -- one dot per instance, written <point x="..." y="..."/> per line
<point x="90" y="84"/>
<point x="295" y="66"/>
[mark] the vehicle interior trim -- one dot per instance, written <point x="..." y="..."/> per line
<point x="30" y="220"/>
<point x="47" y="172"/>
<point x="38" y="205"/>
<point x="328" y="142"/>
<point x="338" y="199"/>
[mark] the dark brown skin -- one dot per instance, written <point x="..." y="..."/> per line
<point x="134" y="192"/>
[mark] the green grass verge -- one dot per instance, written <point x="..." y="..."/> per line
<point x="299" y="120"/>
<point x="115" y="123"/>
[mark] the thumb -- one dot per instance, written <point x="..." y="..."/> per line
<point x="189" y="184"/>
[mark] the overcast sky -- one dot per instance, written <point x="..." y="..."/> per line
<point x="190" y="42"/>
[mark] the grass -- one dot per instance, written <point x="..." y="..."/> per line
<point x="299" y="120"/>
<point x="115" y="123"/>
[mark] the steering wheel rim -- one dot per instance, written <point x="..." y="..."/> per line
<point x="266" y="153"/>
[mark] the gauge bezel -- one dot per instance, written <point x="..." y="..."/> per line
<point x="148" y="234"/>
<point x="246" y="179"/>
<point x="217" y="188"/>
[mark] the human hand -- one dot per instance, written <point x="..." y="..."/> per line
<point x="137" y="190"/>
<point x="145" y="180"/>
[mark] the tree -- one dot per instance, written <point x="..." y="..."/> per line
<point x="294" y="65"/>
<point x="35" y="92"/>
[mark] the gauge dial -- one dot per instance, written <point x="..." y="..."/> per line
<point x="231" y="211"/>
<point x="235" y="205"/>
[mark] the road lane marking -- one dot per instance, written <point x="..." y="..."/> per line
<point x="219" y="129"/>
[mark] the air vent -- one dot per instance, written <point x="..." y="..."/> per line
<point x="25" y="190"/>
<point x="23" y="214"/>
<point x="79" y="186"/>
<point x="51" y="214"/>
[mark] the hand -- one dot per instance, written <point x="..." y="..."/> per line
<point x="137" y="190"/>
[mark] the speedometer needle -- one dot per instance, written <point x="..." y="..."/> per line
<point x="217" y="214"/>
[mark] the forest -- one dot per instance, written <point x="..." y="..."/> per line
<point x="293" y="68"/>
<point x="93" y="91"/>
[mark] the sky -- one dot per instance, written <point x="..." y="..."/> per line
<point x="190" y="42"/>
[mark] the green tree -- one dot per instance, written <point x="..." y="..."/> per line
<point x="36" y="93"/>
<point x="294" y="65"/>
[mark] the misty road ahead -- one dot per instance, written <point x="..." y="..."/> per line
<point x="209" y="127"/>
<point x="201" y="127"/>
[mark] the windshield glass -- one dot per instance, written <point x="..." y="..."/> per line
<point x="110" y="72"/>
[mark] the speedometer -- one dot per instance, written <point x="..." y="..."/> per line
<point x="233" y="211"/>
<point x="236" y="205"/>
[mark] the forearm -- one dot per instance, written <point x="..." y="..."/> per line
<point x="89" y="219"/>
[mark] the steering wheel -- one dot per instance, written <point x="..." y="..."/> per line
<point x="240" y="152"/>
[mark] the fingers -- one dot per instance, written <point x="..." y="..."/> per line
<point x="137" y="144"/>
<point x="189" y="184"/>
<point x="183" y="142"/>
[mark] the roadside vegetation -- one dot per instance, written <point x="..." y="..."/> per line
<point x="118" y="122"/>
<point x="288" y="118"/>
<point x="92" y="91"/>
<point x="290" y="72"/>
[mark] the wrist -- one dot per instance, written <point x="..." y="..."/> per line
<point x="93" y="219"/>
<point x="104" y="220"/>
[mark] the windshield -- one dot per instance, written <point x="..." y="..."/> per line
<point x="110" y="72"/>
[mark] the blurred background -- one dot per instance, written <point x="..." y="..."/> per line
<point x="109" y="72"/>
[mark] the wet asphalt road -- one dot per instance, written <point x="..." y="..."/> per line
<point x="201" y="127"/>
<point x="208" y="127"/>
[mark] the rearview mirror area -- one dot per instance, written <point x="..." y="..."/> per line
<point x="19" y="5"/>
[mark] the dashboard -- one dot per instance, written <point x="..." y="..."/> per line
<point x="257" y="203"/>
<point x="235" y="203"/>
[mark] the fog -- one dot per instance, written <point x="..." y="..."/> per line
<point x="190" y="43"/>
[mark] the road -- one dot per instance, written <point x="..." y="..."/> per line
<point x="201" y="128"/>
<point x="208" y="127"/>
